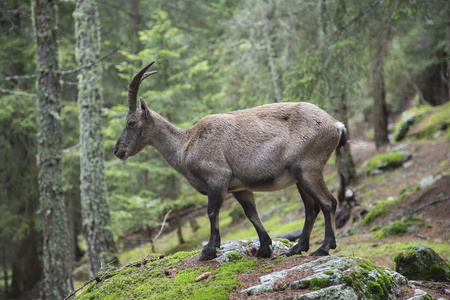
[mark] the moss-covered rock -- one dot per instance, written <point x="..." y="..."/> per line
<point x="407" y="120"/>
<point x="421" y="263"/>
<point x="387" y="161"/>
<point x="176" y="277"/>
<point x="335" y="278"/>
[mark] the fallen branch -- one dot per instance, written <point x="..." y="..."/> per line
<point x="162" y="226"/>
<point x="429" y="204"/>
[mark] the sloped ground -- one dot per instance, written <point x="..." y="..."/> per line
<point x="431" y="204"/>
<point x="182" y="276"/>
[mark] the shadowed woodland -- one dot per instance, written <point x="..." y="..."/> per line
<point x="66" y="201"/>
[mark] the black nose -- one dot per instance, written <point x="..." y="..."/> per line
<point x="115" y="150"/>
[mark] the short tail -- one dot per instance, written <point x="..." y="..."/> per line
<point x="342" y="142"/>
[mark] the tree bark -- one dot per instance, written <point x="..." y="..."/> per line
<point x="135" y="19"/>
<point x="347" y="166"/>
<point x="94" y="205"/>
<point x="448" y="51"/>
<point x="57" y="265"/>
<point x="376" y="66"/>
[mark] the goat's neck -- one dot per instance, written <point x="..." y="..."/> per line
<point x="168" y="140"/>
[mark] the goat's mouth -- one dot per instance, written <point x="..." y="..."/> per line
<point x="120" y="154"/>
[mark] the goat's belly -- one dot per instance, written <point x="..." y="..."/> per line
<point x="262" y="184"/>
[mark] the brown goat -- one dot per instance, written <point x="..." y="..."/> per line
<point x="265" y="148"/>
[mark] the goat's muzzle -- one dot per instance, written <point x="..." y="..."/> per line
<point x="120" y="153"/>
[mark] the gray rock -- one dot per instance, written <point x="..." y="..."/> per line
<point x="235" y="249"/>
<point x="335" y="278"/>
<point x="336" y="292"/>
<point x="429" y="180"/>
<point x="420" y="295"/>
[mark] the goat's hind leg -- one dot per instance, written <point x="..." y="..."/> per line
<point x="247" y="200"/>
<point x="315" y="186"/>
<point x="312" y="209"/>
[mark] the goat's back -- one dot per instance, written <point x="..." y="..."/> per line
<point x="260" y="144"/>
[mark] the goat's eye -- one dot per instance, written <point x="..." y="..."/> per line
<point x="132" y="124"/>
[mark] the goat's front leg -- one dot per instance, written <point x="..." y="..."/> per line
<point x="216" y="195"/>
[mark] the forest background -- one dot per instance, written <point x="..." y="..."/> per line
<point x="359" y="60"/>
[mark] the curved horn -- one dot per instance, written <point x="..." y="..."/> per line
<point x="134" y="86"/>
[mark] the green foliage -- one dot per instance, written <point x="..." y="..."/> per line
<point x="19" y="191"/>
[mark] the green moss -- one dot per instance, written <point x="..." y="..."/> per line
<point x="374" y="228"/>
<point x="399" y="228"/>
<point x="387" y="161"/>
<point x="315" y="283"/>
<point x="347" y="280"/>
<point x="430" y="125"/>
<point x="439" y="272"/>
<point x="286" y="242"/>
<point x="382" y="208"/>
<point x="406" y="253"/>
<point x="234" y="256"/>
<point x="368" y="266"/>
<point x="421" y="263"/>
<point x="328" y="272"/>
<point x="153" y="281"/>
<point x="376" y="291"/>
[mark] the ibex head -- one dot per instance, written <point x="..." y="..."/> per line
<point x="134" y="138"/>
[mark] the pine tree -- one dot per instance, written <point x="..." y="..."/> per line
<point x="57" y="281"/>
<point x="94" y="205"/>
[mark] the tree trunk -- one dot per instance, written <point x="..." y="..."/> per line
<point x="94" y="206"/>
<point x="271" y="55"/>
<point x="347" y="166"/>
<point x="136" y="26"/>
<point x="57" y="265"/>
<point x="448" y="51"/>
<point x="378" y="87"/>
<point x="26" y="267"/>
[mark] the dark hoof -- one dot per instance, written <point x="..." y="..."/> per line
<point x="320" y="252"/>
<point x="263" y="253"/>
<point x="208" y="255"/>
<point x="205" y="257"/>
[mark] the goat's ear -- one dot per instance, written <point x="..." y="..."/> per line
<point x="144" y="108"/>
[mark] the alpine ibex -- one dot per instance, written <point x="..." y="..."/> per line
<point x="265" y="148"/>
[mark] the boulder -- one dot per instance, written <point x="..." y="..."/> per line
<point x="421" y="263"/>
<point x="385" y="162"/>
